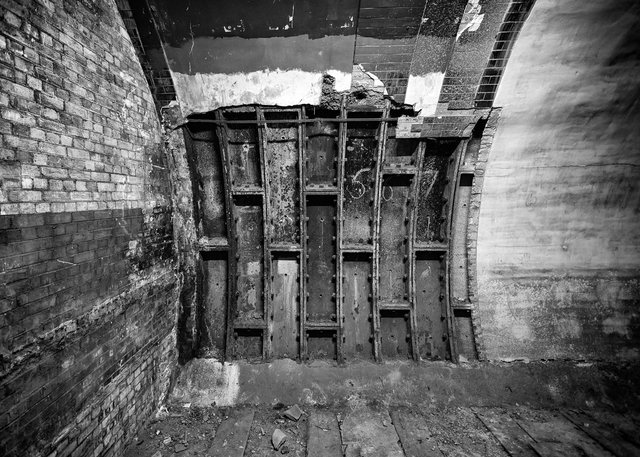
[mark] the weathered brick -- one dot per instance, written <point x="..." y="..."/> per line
<point x="25" y="196"/>
<point x="61" y="129"/>
<point x="12" y="19"/>
<point x="18" y="117"/>
<point x="51" y="172"/>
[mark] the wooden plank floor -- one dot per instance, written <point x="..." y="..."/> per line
<point x="376" y="431"/>
<point x="231" y="436"/>
<point x="323" y="435"/>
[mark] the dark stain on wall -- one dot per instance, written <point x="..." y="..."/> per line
<point x="180" y="21"/>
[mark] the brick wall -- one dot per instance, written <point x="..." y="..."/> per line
<point x="386" y="39"/>
<point x="88" y="290"/>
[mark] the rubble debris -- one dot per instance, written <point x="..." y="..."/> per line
<point x="180" y="448"/>
<point x="293" y="413"/>
<point x="284" y="449"/>
<point x="162" y="413"/>
<point x="278" y="439"/>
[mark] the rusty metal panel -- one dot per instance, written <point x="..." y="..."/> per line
<point x="248" y="344"/>
<point x="394" y="225"/>
<point x="214" y="303"/>
<point x="285" y="277"/>
<point x="208" y="174"/>
<point x="357" y="307"/>
<point x="321" y="154"/>
<point x="249" y="259"/>
<point x="430" y="305"/>
<point x="244" y="152"/>
<point x="394" y="334"/>
<point x="432" y="195"/>
<point x="321" y="258"/>
<point x="359" y="179"/>
<point x="282" y="141"/>
<point x="464" y="339"/>
<point x="322" y="344"/>
<point x="399" y="151"/>
<point x="459" y="274"/>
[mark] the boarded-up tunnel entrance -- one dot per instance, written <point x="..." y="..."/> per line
<point x="323" y="234"/>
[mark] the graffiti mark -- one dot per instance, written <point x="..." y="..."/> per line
<point x="433" y="181"/>
<point x="360" y="189"/>
<point x="384" y="193"/>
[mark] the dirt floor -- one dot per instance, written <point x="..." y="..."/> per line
<point x="371" y="429"/>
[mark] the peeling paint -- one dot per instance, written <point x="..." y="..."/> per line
<point x="471" y="19"/>
<point x="376" y="82"/>
<point x="423" y="92"/>
<point x="206" y="92"/>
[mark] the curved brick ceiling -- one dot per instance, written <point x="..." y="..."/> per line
<point x="432" y="54"/>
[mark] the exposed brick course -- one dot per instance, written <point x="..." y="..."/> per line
<point x="88" y="289"/>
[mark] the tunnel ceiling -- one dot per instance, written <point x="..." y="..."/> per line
<point x="436" y="55"/>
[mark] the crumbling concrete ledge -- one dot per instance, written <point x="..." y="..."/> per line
<point x="203" y="382"/>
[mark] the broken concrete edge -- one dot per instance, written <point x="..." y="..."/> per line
<point x="574" y="384"/>
<point x="365" y="91"/>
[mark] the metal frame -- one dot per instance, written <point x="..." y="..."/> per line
<point x="382" y="137"/>
<point x="270" y="250"/>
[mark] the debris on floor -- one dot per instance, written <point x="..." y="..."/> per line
<point x="366" y="429"/>
<point x="293" y="413"/>
<point x="278" y="439"/>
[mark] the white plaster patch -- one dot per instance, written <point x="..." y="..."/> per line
<point x="228" y="388"/>
<point x="205" y="92"/>
<point x="343" y="80"/>
<point x="471" y="19"/>
<point x="207" y="382"/>
<point x="423" y="92"/>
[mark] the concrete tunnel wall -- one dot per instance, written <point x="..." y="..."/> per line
<point x="559" y="232"/>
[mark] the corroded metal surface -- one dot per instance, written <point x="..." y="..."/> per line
<point x="244" y="156"/>
<point x="321" y="154"/>
<point x="431" y="215"/>
<point x="282" y="160"/>
<point x="321" y="259"/>
<point x="249" y="255"/>
<point x="339" y="237"/>
<point x="359" y="175"/>
<point x="395" y="335"/>
<point x="394" y="236"/>
<point x="357" y="307"/>
<point x="430" y="305"/>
